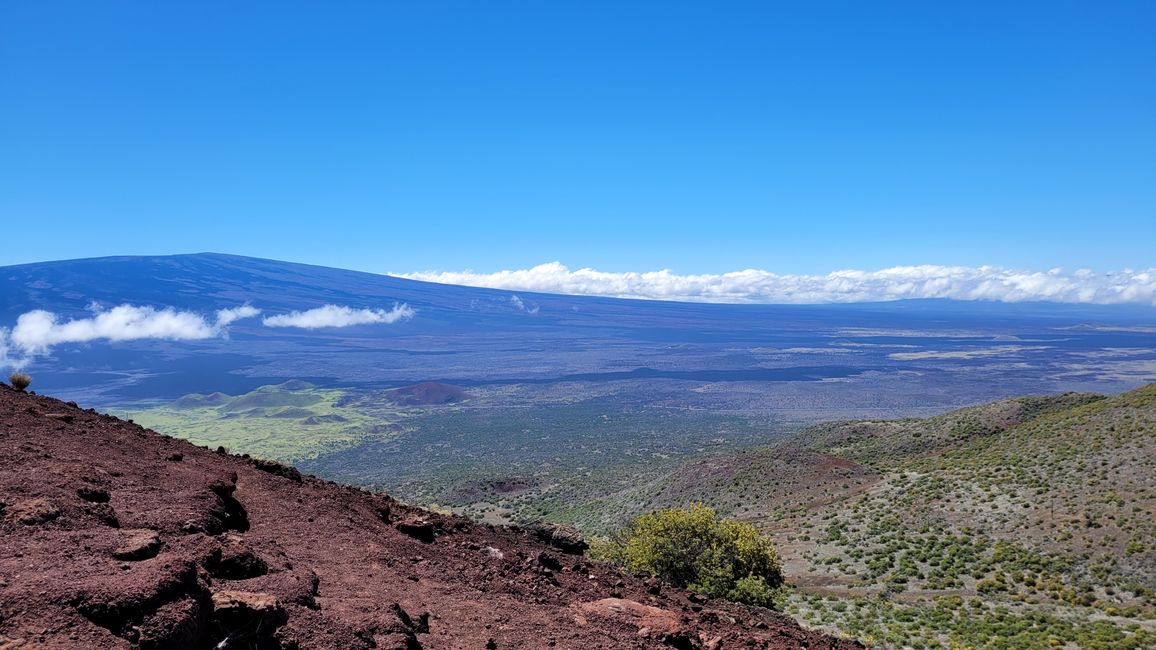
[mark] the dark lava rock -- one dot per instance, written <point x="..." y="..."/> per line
<point x="92" y="494"/>
<point x="275" y="468"/>
<point x="417" y="528"/>
<point x="549" y="561"/>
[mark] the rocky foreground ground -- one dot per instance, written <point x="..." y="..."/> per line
<point x="113" y="536"/>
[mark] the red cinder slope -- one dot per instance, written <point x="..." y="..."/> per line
<point x="116" y="537"/>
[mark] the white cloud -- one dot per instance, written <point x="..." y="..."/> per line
<point x="37" y="331"/>
<point x="5" y="360"/>
<point x="337" y="316"/>
<point x="979" y="353"/>
<point x="227" y="316"/>
<point x="755" y="286"/>
<point x="831" y="350"/>
<point x="521" y="305"/>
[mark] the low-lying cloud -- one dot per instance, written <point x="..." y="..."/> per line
<point x="338" y="316"/>
<point x="36" y="332"/>
<point x="755" y="286"/>
<point x="5" y="360"/>
<point x="520" y="305"/>
<point x="228" y="316"/>
<point x="978" y="353"/>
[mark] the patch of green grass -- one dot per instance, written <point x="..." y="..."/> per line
<point x="289" y="422"/>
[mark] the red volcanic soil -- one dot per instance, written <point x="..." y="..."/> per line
<point x="427" y="394"/>
<point x="117" y="537"/>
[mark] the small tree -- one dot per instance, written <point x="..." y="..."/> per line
<point x="20" y="381"/>
<point x="693" y="548"/>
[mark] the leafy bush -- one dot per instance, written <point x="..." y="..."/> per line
<point x="20" y="381"/>
<point x="693" y="548"/>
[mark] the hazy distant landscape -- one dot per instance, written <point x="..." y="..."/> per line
<point x="569" y="398"/>
<point x="749" y="358"/>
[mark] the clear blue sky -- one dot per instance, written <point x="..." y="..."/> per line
<point x="702" y="137"/>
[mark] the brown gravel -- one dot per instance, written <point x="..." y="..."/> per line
<point x="113" y="536"/>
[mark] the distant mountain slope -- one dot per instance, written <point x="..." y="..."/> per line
<point x="914" y="354"/>
<point x="116" y="537"/>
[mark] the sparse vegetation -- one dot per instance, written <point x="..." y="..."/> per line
<point x="20" y="381"/>
<point x="1020" y="524"/>
<point x="693" y="548"/>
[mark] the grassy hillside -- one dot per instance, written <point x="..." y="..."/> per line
<point x="290" y="422"/>
<point x="886" y="441"/>
<point x="1023" y="523"/>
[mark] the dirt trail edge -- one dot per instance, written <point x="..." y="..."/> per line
<point x="113" y="536"/>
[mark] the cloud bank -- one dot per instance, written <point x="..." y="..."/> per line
<point x="755" y="286"/>
<point x="36" y="332"/>
<point x="337" y="316"/>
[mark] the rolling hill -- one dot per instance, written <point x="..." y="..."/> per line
<point x="1029" y="519"/>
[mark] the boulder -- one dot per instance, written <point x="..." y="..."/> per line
<point x="137" y="544"/>
<point x="650" y="621"/>
<point x="564" y="538"/>
<point x="417" y="528"/>
<point x="236" y="561"/>
<point x="33" y="511"/>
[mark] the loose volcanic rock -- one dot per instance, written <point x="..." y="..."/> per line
<point x="549" y="561"/>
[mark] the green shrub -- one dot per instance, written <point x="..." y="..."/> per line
<point x="694" y="549"/>
<point x="20" y="381"/>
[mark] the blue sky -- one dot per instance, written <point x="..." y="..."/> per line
<point x="700" y="137"/>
